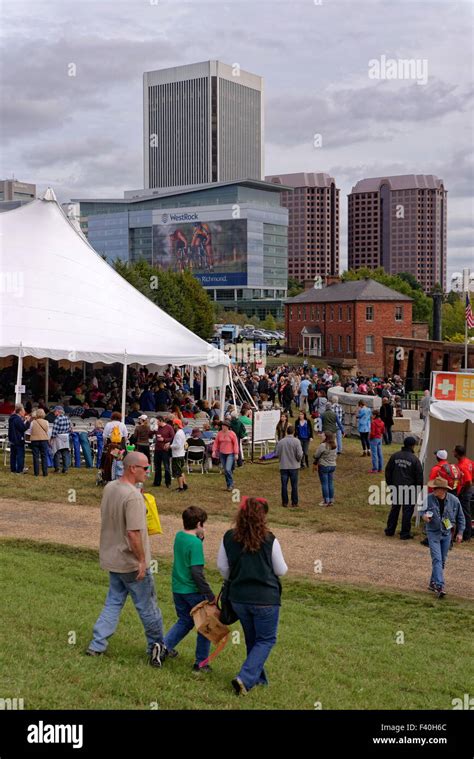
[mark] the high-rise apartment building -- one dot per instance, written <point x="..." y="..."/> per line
<point x="202" y="123"/>
<point x="399" y="223"/>
<point x="313" y="224"/>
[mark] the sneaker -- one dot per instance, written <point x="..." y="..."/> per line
<point x="157" y="655"/>
<point x="91" y="652"/>
<point x="239" y="687"/>
<point x="373" y="471"/>
<point x="169" y="653"/>
<point x="185" y="487"/>
<point x="285" y="505"/>
<point x="389" y="534"/>
<point x="322" y="503"/>
<point x="440" y="591"/>
<point x="424" y="542"/>
<point x="407" y="537"/>
<point x="197" y="669"/>
<point x="432" y="587"/>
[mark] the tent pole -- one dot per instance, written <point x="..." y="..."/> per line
<point x="19" y="375"/>
<point x="201" y="383"/>
<point x="84" y="371"/>
<point x="46" y="382"/>
<point x="231" y="382"/>
<point x="124" y="386"/>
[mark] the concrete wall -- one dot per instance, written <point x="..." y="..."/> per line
<point x="349" y="402"/>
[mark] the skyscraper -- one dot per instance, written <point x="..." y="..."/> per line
<point x="313" y="224"/>
<point x="203" y="123"/>
<point x="400" y="223"/>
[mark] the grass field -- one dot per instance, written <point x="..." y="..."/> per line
<point x="337" y="646"/>
<point x="351" y="514"/>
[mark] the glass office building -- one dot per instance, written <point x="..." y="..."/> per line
<point x="232" y="236"/>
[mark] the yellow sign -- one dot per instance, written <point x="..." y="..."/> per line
<point x="453" y="386"/>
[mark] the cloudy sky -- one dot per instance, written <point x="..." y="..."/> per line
<point x="82" y="134"/>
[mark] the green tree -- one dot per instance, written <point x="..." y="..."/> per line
<point x="294" y="287"/>
<point x="269" y="322"/>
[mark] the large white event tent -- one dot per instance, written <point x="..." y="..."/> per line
<point x="61" y="300"/>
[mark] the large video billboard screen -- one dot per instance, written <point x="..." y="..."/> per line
<point x="214" y="251"/>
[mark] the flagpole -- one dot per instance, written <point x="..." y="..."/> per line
<point x="467" y="301"/>
<point x="465" y="336"/>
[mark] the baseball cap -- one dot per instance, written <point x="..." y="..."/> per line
<point x="178" y="422"/>
<point x="58" y="408"/>
<point x="143" y="417"/>
<point x="442" y="454"/>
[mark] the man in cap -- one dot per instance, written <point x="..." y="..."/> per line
<point x="447" y="471"/>
<point x="404" y="476"/>
<point x="441" y="511"/>
<point x="60" y="440"/>
<point x="178" y="453"/>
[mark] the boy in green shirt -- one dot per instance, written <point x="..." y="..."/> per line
<point x="189" y="584"/>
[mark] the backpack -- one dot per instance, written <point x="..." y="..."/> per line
<point x="116" y="435"/>
<point x="452" y="474"/>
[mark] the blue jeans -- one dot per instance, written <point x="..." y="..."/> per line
<point x="64" y="455"/>
<point x="326" y="475"/>
<point x="292" y="475"/>
<point x="143" y="596"/>
<point x="39" y="448"/>
<point x="17" y="457"/>
<point x="260" y="625"/>
<point x="183" y="603"/>
<point x="376" y="453"/>
<point x="339" y="440"/>
<point x="227" y="461"/>
<point x="439" y="547"/>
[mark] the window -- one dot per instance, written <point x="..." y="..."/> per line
<point x="369" y="344"/>
<point x="317" y="313"/>
<point x="299" y="313"/>
<point x="331" y="343"/>
<point x="369" y="313"/>
<point x="398" y="313"/>
<point x="340" y="313"/>
<point x="331" y="311"/>
<point x="304" y="313"/>
<point x="339" y="343"/>
<point x="349" y="313"/>
<point x="349" y="343"/>
<point x="312" y="313"/>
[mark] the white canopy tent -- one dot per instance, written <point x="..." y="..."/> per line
<point x="62" y="300"/>
<point x="449" y="423"/>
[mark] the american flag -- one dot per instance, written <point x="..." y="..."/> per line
<point x="469" y="314"/>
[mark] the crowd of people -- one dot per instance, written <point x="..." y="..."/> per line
<point x="312" y="423"/>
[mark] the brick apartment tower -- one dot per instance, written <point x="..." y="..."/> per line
<point x="313" y="224"/>
<point x="399" y="223"/>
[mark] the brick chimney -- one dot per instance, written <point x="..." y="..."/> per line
<point x="332" y="279"/>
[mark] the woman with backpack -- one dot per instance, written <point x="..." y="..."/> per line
<point x="304" y="433"/>
<point x="324" y="460"/>
<point x="251" y="560"/>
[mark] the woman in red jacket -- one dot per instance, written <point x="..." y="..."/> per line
<point x="377" y="429"/>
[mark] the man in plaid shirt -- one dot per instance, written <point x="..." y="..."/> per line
<point x="60" y="439"/>
<point x="339" y="411"/>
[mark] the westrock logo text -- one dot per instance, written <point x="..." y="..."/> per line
<point x="42" y="733"/>
<point x="183" y="216"/>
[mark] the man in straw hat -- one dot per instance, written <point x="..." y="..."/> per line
<point x="441" y="511"/>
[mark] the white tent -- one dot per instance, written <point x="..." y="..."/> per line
<point x="61" y="300"/>
<point x="449" y="423"/>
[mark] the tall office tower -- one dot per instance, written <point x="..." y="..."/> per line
<point x="203" y="123"/>
<point x="400" y="223"/>
<point x="313" y="224"/>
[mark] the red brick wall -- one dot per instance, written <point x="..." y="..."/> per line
<point x="383" y="325"/>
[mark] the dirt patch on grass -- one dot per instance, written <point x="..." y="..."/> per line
<point x="366" y="560"/>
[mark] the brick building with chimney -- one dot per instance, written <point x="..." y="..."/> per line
<point x="345" y="323"/>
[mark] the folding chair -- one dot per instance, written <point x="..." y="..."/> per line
<point x="199" y="455"/>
